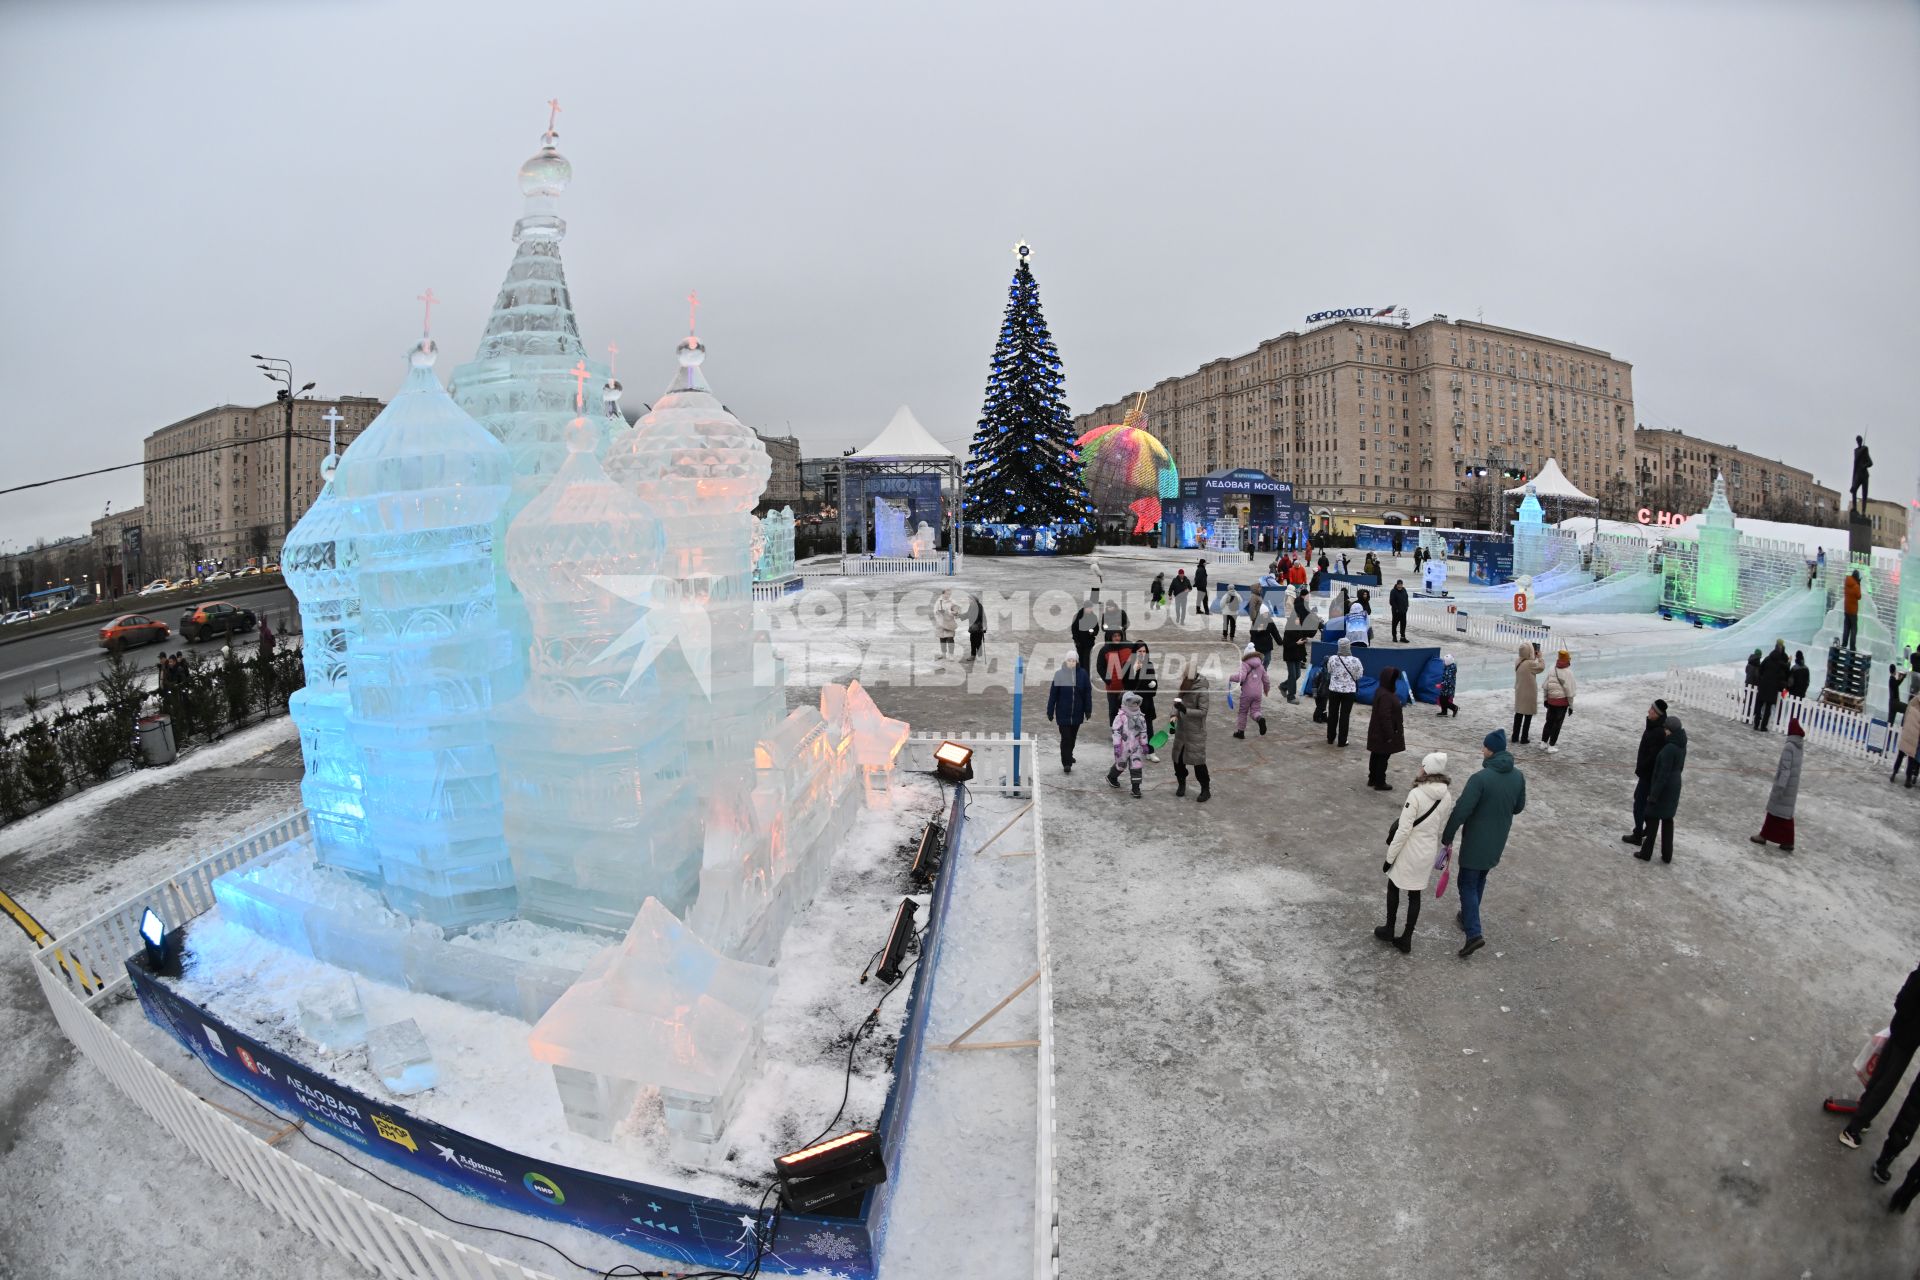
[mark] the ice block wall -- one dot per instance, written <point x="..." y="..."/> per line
<point x="1907" y="618"/>
<point x="426" y="488"/>
<point x="600" y="811"/>
<point x="320" y="564"/>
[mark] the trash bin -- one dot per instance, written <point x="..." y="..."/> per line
<point x="156" y="739"/>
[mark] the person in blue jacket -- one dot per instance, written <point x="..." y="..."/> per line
<point x="1069" y="703"/>
<point x="1483" y="818"/>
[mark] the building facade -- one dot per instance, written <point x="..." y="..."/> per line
<point x="1383" y="421"/>
<point x="1889" y="521"/>
<point x="119" y="551"/>
<point x="213" y="487"/>
<point x="783" y="484"/>
<point x="1674" y="471"/>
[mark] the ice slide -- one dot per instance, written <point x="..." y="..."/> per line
<point x="1629" y="591"/>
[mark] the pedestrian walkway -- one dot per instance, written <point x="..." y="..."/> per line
<point x="1627" y="1079"/>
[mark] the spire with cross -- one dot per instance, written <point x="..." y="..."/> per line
<point x="553" y="119"/>
<point x="693" y="316"/>
<point x="580" y="373"/>
<point x="332" y="418"/>
<point x="426" y="323"/>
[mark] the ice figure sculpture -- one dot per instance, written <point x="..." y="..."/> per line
<point x="773" y="550"/>
<point x="701" y="470"/>
<point x="520" y="383"/>
<point x="662" y="1009"/>
<point x="876" y="739"/>
<point x="599" y="812"/>
<point x="923" y="542"/>
<point x="425" y="488"/>
<point x="1716" y="590"/>
<point x="1434" y="577"/>
<point x="1529" y="537"/>
<point x="890" y="536"/>
<point x="319" y="564"/>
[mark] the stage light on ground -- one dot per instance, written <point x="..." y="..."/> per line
<point x="162" y="947"/>
<point x="926" y="858"/>
<point x="897" y="938"/>
<point x="829" y="1176"/>
<point x="953" y="762"/>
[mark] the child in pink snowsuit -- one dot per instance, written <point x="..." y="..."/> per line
<point x="1129" y="742"/>
<point x="1252" y="679"/>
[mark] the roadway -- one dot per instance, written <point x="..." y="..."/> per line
<point x="60" y="661"/>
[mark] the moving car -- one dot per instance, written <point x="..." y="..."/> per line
<point x="131" y="629"/>
<point x="18" y="615"/>
<point x="155" y="587"/>
<point x="215" y="618"/>
<point x="219" y="576"/>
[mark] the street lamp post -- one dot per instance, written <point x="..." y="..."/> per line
<point x="281" y="371"/>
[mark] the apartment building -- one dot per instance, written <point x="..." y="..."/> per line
<point x="213" y="482"/>
<point x="1376" y="419"/>
<point x="1674" y="471"/>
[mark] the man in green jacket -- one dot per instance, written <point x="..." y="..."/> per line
<point x="1485" y="810"/>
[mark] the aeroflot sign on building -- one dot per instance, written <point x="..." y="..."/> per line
<point x="1352" y="313"/>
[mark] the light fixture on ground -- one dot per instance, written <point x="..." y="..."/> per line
<point x="927" y="856"/>
<point x="829" y="1176"/>
<point x="953" y="762"/>
<point x="161" y="946"/>
<point x="897" y="938"/>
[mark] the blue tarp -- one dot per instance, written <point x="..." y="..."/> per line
<point x="1419" y="669"/>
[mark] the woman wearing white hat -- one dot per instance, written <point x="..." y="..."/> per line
<point x="1412" y="843"/>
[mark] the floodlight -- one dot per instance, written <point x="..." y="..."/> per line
<point x="927" y="857"/>
<point x="829" y="1176"/>
<point x="897" y="938"/>
<point x="161" y="945"/>
<point x="953" y="762"/>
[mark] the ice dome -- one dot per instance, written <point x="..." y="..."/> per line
<point x="547" y="173"/>
<point x="423" y="441"/>
<point x="581" y="526"/>
<point x="689" y="453"/>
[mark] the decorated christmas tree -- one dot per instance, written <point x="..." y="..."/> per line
<point x="1022" y="468"/>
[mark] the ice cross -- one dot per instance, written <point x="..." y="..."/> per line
<point x="693" y="312"/>
<point x="332" y="418"/>
<point x="426" y="325"/>
<point x="579" y="372"/>
<point x="553" y="116"/>
<point x="613" y="360"/>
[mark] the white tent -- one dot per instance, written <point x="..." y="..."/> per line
<point x="1552" y="482"/>
<point x="903" y="439"/>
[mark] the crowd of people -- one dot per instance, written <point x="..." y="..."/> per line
<point x="1444" y="834"/>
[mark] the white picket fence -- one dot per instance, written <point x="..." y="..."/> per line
<point x="865" y="566"/>
<point x="1850" y="734"/>
<point x="1001" y="763"/>
<point x="88" y="963"/>
<point x="1485" y="627"/>
<point x="1046" y="1208"/>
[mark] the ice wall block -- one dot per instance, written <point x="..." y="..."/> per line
<point x="398" y="1054"/>
<point x="331" y="1014"/>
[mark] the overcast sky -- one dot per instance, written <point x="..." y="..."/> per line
<point x="1723" y="194"/>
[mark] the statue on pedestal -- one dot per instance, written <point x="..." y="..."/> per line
<point x="1862" y="464"/>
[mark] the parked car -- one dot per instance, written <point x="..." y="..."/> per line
<point x="130" y="629"/>
<point x="156" y="587"/>
<point x="251" y="571"/>
<point x="215" y="618"/>
<point x="18" y="615"/>
<point x="219" y="575"/>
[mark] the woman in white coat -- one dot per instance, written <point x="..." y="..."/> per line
<point x="946" y="620"/>
<point x="1414" y="845"/>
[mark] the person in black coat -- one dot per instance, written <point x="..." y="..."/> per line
<point x="1800" y="677"/>
<point x="1397" y="603"/>
<point x="1903" y="1038"/>
<point x="1200" y="586"/>
<point x="1085" y="629"/>
<point x="1895" y="679"/>
<point x="1652" y="738"/>
<point x="1774" y="670"/>
<point x="1069" y="704"/>
<point x="1663" y="791"/>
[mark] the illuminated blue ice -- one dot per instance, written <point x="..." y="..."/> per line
<point x="426" y="488"/>
<point x="319" y="563"/>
